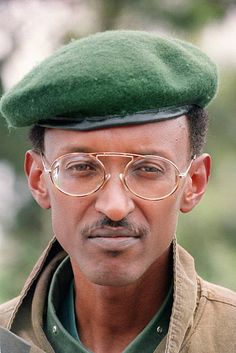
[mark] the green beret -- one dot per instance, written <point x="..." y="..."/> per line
<point x="112" y="78"/>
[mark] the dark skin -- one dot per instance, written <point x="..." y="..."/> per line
<point x="121" y="283"/>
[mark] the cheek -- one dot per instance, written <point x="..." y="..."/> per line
<point x="67" y="214"/>
<point x="163" y="219"/>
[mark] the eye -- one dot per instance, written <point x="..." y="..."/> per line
<point x="80" y="169"/>
<point x="148" y="170"/>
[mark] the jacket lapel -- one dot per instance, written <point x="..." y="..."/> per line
<point x="10" y="343"/>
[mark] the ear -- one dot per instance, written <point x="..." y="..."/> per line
<point x="36" y="180"/>
<point x="196" y="184"/>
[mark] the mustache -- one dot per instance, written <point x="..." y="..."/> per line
<point x="137" y="230"/>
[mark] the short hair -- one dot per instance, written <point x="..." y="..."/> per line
<point x="36" y="138"/>
<point x="198" y="121"/>
<point x="198" y="126"/>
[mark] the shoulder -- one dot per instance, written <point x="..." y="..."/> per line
<point x="217" y="305"/>
<point x="6" y="310"/>
<point x="214" y="322"/>
<point x="217" y="294"/>
<point x="215" y="318"/>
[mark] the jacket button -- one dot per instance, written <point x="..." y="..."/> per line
<point x="54" y="329"/>
<point x="159" y="330"/>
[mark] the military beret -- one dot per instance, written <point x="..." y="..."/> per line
<point x="112" y="78"/>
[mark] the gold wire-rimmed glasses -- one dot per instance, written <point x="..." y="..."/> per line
<point x="149" y="177"/>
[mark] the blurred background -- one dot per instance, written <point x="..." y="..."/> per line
<point x="30" y="30"/>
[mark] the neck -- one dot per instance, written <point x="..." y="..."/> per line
<point x="108" y="315"/>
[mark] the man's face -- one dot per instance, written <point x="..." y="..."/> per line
<point x="142" y="241"/>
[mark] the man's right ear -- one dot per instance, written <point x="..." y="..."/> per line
<point x="36" y="178"/>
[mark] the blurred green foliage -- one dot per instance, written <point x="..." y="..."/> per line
<point x="208" y="232"/>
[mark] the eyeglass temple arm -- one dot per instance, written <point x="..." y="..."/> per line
<point x="183" y="175"/>
<point x="44" y="161"/>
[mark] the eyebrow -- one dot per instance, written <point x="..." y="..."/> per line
<point x="76" y="149"/>
<point x="149" y="152"/>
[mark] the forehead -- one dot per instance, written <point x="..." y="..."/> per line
<point x="168" y="138"/>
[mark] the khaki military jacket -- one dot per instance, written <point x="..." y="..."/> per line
<point x="203" y="318"/>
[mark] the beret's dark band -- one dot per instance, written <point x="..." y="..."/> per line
<point x="91" y="123"/>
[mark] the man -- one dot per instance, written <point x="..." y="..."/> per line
<point x="118" y="127"/>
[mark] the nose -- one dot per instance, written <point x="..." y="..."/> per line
<point x="113" y="200"/>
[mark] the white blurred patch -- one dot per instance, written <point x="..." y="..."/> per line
<point x="35" y="29"/>
<point x="219" y="40"/>
<point x="13" y="195"/>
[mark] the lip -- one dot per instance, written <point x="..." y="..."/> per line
<point x="113" y="239"/>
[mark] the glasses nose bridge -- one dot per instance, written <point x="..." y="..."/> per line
<point x="117" y="173"/>
<point x="104" y="155"/>
<point x="120" y="176"/>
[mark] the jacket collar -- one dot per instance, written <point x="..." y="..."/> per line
<point x="185" y="298"/>
<point x="51" y="251"/>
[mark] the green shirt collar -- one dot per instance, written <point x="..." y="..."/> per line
<point x="60" y="323"/>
